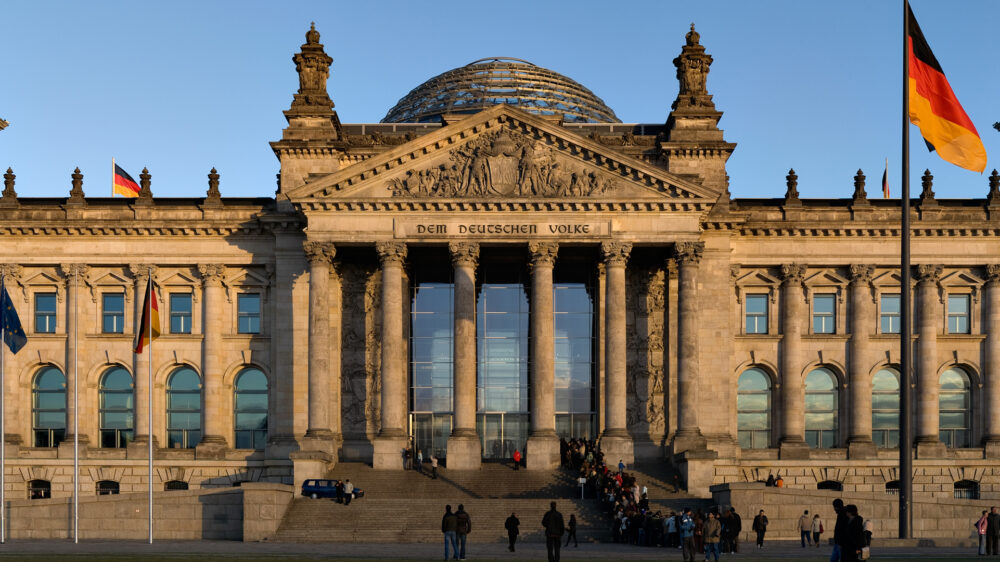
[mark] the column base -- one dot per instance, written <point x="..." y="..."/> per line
<point x="212" y="447"/>
<point x="12" y="445"/>
<point x="861" y="448"/>
<point x="542" y="452"/>
<point x="309" y="464"/>
<point x="930" y="447"/>
<point x="697" y="470"/>
<point x="464" y="452"/>
<point x="280" y="446"/>
<point x="139" y="447"/>
<point x="320" y="440"/>
<point x="795" y="449"/>
<point x="65" y="448"/>
<point x="688" y="440"/>
<point x="388" y="452"/>
<point x="616" y="444"/>
<point x="991" y="446"/>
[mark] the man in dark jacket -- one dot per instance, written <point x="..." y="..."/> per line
<point x="839" y="529"/>
<point x="463" y="528"/>
<point x="554" y="529"/>
<point x="511" y="524"/>
<point x="992" y="531"/>
<point x="736" y="527"/>
<point x="760" y="527"/>
<point x="449" y="524"/>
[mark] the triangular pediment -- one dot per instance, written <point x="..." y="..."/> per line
<point x="961" y="278"/>
<point x="503" y="153"/>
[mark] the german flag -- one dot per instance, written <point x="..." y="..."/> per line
<point x="149" y="327"/>
<point x="934" y="108"/>
<point x="124" y="185"/>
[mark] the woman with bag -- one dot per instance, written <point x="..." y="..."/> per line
<point x="817" y="529"/>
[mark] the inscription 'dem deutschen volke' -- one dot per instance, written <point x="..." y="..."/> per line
<point x="499" y="229"/>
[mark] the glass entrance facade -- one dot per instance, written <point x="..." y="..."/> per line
<point x="432" y="322"/>
<point x="573" y="304"/>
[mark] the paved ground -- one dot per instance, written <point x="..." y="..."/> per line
<point x="227" y="550"/>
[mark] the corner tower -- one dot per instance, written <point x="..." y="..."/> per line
<point x="313" y="141"/>
<point x="693" y="143"/>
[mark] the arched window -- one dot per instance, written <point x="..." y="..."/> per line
<point x="39" y="489"/>
<point x="885" y="409"/>
<point x="183" y="409"/>
<point x="117" y="409"/>
<point x="48" y="407"/>
<point x="753" y="409"/>
<point x="107" y="488"/>
<point x="821" y="409"/>
<point x="251" y="409"/>
<point x="176" y="485"/>
<point x="966" y="490"/>
<point x="830" y="485"/>
<point x="892" y="487"/>
<point x="955" y="408"/>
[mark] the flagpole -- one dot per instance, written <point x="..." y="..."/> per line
<point x="905" y="355"/>
<point x="149" y="394"/>
<point x="112" y="176"/>
<point x="3" y="445"/>
<point x="76" y="417"/>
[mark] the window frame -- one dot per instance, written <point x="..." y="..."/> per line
<point x="52" y="318"/>
<point x="767" y="433"/>
<point x="189" y="315"/>
<point x="114" y="316"/>
<point x="258" y="436"/>
<point x="897" y="315"/>
<point x="53" y="438"/>
<point x="831" y="317"/>
<point x="187" y="440"/>
<point x="835" y="411"/>
<point x="240" y="315"/>
<point x="967" y="316"/>
<point x="121" y="436"/>
<point x="766" y="315"/>
<point x="969" y="419"/>
<point x="883" y="437"/>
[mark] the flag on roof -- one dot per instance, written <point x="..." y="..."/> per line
<point x="123" y="184"/>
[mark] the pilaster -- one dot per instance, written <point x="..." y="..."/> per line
<point x="991" y="325"/>
<point x="139" y="447"/>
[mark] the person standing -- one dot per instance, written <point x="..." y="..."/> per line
<point x="348" y="492"/>
<point x="687" y="535"/>
<point x="839" y="529"/>
<point x="449" y="526"/>
<point x="554" y="529"/>
<point x="511" y="524"/>
<point x="737" y="523"/>
<point x="434" y="467"/>
<point x="992" y="531"/>
<point x="713" y="531"/>
<point x="760" y="527"/>
<point x="677" y="483"/>
<point x="340" y="491"/>
<point x="571" y="526"/>
<point x="854" y="535"/>
<point x="779" y="482"/>
<point x="805" y="527"/>
<point x="517" y="459"/>
<point x="770" y="481"/>
<point x="621" y="466"/>
<point x="420" y="461"/>
<point x="462" y="530"/>
<point x="981" y="527"/>
<point x="817" y="529"/>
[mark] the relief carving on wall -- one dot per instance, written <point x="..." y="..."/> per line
<point x="506" y="163"/>
<point x="645" y="301"/>
<point x="361" y="351"/>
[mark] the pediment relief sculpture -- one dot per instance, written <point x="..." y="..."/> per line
<point x="505" y="163"/>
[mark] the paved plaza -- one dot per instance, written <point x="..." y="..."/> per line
<point x="202" y="550"/>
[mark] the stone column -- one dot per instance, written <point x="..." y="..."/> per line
<point x="928" y="440"/>
<point x="213" y="440"/>
<point x="464" y="448"/>
<point x="140" y="366"/>
<point x="11" y="275"/>
<point x="318" y="435"/>
<point x="862" y="319"/>
<point x="76" y="275"/>
<point x="991" y="327"/>
<point x="616" y="442"/>
<point x="392" y="437"/>
<point x="688" y="435"/>
<point x="543" y="443"/>
<point x="793" y="444"/>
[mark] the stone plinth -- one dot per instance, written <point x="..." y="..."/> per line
<point x="697" y="472"/>
<point x="862" y="449"/>
<point x="542" y="452"/>
<point x="617" y="447"/>
<point x="308" y="464"/>
<point x="464" y="452"/>
<point x="388" y="453"/>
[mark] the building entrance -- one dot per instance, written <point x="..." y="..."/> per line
<point x="501" y="434"/>
<point x="430" y="434"/>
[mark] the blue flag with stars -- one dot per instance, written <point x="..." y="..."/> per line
<point x="13" y="334"/>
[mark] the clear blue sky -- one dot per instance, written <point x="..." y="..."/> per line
<point x="183" y="86"/>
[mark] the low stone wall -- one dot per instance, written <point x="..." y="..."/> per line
<point x="264" y="506"/>
<point x="933" y="517"/>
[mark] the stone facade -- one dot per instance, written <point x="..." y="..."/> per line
<point x="644" y="207"/>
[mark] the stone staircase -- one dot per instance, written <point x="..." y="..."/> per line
<point x="406" y="506"/>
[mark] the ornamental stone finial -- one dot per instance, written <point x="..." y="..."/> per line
<point x="543" y="253"/>
<point x="860" y="195"/>
<point x="616" y="253"/>
<point x="792" y="191"/>
<point x="688" y="253"/>
<point x="319" y="253"/>
<point x="9" y="198"/>
<point x="464" y="253"/>
<point x="993" y="198"/>
<point x="692" y="73"/>
<point x="313" y="65"/>
<point x="213" y="196"/>
<point x="793" y="273"/>
<point x="76" y="195"/>
<point x="391" y="252"/>
<point x="145" y="193"/>
<point x="927" y="194"/>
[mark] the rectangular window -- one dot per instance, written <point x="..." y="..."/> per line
<point x="824" y="317"/>
<point x="180" y="313"/>
<point x="248" y="313"/>
<point x="45" y="313"/>
<point x="889" y="314"/>
<point x="958" y="314"/>
<point x="756" y="314"/>
<point x="113" y="313"/>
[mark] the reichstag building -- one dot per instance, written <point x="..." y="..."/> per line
<point x="498" y="263"/>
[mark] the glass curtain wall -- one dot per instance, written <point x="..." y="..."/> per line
<point x="502" y="320"/>
<point x="573" y="305"/>
<point x="432" y="322"/>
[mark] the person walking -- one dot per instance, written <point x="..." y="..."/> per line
<point x="687" y="535"/>
<point x="621" y="466"/>
<point x="992" y="531"/>
<point x="348" y="492"/>
<point x="554" y="529"/>
<point x="981" y="527"/>
<point x="760" y="527"/>
<point x="839" y="528"/>
<point x="817" y="529"/>
<point x="737" y="523"/>
<point x="713" y="532"/>
<point x="434" y="467"/>
<point x="805" y="528"/>
<point x="511" y="524"/>
<point x="462" y="529"/>
<point x="449" y="526"/>
<point x="854" y="535"/>
<point x="420" y="461"/>
<point x="517" y="459"/>
<point x="571" y="527"/>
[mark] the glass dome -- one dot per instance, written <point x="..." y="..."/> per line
<point x="487" y="82"/>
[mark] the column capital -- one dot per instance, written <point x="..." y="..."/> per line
<point x="319" y="253"/>
<point x="464" y="253"/>
<point x="616" y="253"/>
<point x="211" y="274"/>
<point x="391" y="252"/>
<point x="688" y="253"/>
<point x="928" y="273"/>
<point x="74" y="271"/>
<point x="140" y="271"/>
<point x="993" y="273"/>
<point x="792" y="273"/>
<point x="543" y="253"/>
<point x="861" y="273"/>
<point x="10" y="271"/>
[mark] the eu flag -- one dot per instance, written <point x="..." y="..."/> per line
<point x="13" y="334"/>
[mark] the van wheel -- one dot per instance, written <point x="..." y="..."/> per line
<point x="314" y="496"/>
